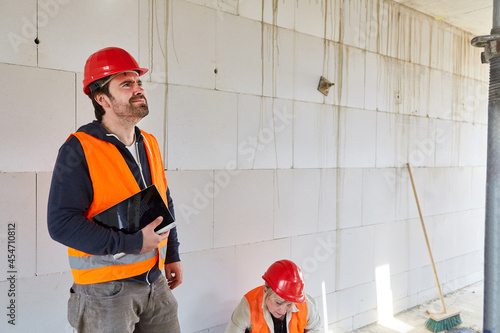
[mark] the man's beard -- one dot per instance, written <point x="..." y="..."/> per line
<point x="131" y="110"/>
<point x="141" y="110"/>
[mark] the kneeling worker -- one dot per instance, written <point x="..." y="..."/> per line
<point x="279" y="306"/>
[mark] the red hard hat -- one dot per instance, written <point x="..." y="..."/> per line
<point x="108" y="61"/>
<point x="286" y="280"/>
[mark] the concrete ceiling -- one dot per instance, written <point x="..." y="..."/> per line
<point x="475" y="16"/>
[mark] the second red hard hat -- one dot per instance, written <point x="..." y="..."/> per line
<point x="286" y="280"/>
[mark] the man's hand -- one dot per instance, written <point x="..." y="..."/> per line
<point x="150" y="239"/>
<point x="173" y="273"/>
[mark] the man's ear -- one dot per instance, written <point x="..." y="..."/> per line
<point x="103" y="100"/>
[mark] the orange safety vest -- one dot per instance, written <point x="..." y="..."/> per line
<point x="112" y="182"/>
<point x="255" y="298"/>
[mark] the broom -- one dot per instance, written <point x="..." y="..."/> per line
<point x="444" y="320"/>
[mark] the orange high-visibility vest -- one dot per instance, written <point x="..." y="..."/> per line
<point x="255" y="298"/>
<point x="112" y="182"/>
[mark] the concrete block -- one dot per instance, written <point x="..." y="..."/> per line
<point x="333" y="72"/>
<point x="79" y="20"/>
<point x="464" y="102"/>
<point x="315" y="135"/>
<point x="259" y="256"/>
<point x="232" y="51"/>
<point x="416" y="92"/>
<point x="347" y="303"/>
<point x="367" y="299"/>
<point x="243" y="208"/>
<point x="391" y="241"/>
<point x="479" y="101"/>
<point x="33" y="115"/>
<point x="350" y="198"/>
<point x="436" y="42"/>
<point x="406" y="207"/>
<point x="327" y="201"/>
<point x="327" y="307"/>
<point x="285" y="14"/>
<point x="422" y="144"/>
<point x="296" y="212"/>
<point x="393" y="92"/>
<point x="372" y="79"/>
<point x="354" y="23"/>
<point x="356" y="245"/>
<point x="51" y="256"/>
<point x="418" y="255"/>
<point x="218" y="270"/>
<point x="421" y="35"/>
<point x="264" y="133"/>
<point x="461" y="226"/>
<point x="18" y="31"/>
<point x="315" y="255"/>
<point x="357" y="138"/>
<point x="190" y="37"/>
<point x="386" y="140"/>
<point x="392" y="44"/>
<point x="447" y="147"/>
<point x="371" y="25"/>
<point x="440" y="95"/>
<point x="18" y="224"/>
<point x="404" y="41"/>
<point x="446" y="46"/>
<point x="203" y="123"/>
<point x="309" y="57"/>
<point x="193" y="199"/>
<point x="399" y="287"/>
<point x="473" y="144"/>
<point x="379" y="197"/>
<point x="310" y="18"/>
<point x="333" y="17"/>
<point x="353" y="94"/>
<point x="278" y="59"/>
<point x="153" y="25"/>
<point x="436" y="197"/>
<point x="461" y="183"/>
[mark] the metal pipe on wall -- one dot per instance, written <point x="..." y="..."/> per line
<point x="491" y="54"/>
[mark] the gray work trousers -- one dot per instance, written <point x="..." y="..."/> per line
<point x="122" y="307"/>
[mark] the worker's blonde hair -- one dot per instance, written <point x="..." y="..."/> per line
<point x="269" y="292"/>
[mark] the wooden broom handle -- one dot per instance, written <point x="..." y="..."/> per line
<point x="426" y="238"/>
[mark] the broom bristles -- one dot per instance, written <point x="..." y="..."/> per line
<point x="443" y="324"/>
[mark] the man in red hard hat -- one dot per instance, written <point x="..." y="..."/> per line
<point x="101" y="164"/>
<point x="279" y="306"/>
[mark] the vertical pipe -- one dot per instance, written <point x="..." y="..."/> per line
<point x="496" y="16"/>
<point x="491" y="311"/>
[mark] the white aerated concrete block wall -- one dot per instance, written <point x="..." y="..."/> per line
<point x="260" y="164"/>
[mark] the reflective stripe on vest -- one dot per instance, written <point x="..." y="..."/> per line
<point x="255" y="298"/>
<point x="112" y="182"/>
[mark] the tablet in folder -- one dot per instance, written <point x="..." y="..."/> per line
<point x="136" y="212"/>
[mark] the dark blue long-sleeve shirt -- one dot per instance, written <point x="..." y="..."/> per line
<point x="71" y="194"/>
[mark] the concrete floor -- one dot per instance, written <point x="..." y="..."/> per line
<point x="469" y="301"/>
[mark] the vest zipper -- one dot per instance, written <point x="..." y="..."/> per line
<point x="138" y="161"/>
